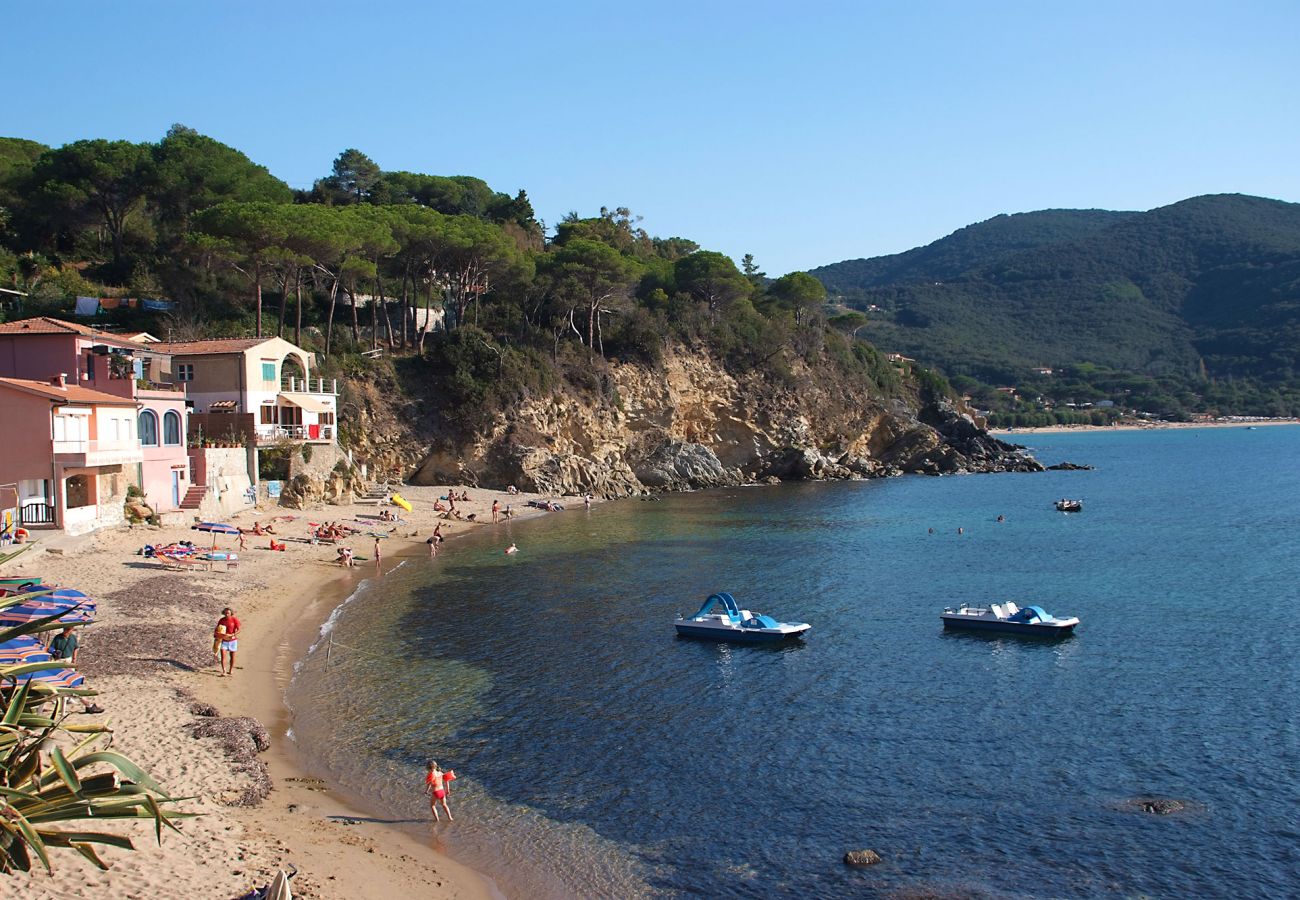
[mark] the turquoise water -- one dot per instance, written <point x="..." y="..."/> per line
<point x="601" y="755"/>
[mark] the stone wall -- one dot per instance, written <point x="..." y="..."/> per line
<point x="225" y="473"/>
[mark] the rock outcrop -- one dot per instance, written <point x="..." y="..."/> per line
<point x="861" y="858"/>
<point x="692" y="424"/>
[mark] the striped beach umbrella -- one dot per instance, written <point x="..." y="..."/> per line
<point x="21" y="650"/>
<point x="66" y="608"/>
<point x="56" y="678"/>
<point x="216" y="528"/>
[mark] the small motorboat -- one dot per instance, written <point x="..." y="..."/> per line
<point x="722" y="619"/>
<point x="1009" y="619"/>
<point x="1064" y="505"/>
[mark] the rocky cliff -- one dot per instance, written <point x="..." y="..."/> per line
<point x="691" y="424"/>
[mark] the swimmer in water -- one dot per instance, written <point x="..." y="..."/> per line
<point x="512" y="549"/>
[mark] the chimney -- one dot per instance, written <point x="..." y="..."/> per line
<point x="60" y="380"/>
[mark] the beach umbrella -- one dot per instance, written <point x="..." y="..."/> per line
<point x="56" y="678"/>
<point x="26" y="651"/>
<point x="21" y="650"/>
<point x="216" y="528"/>
<point x="72" y="608"/>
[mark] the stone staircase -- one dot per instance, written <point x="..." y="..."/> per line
<point x="374" y="495"/>
<point x="194" y="496"/>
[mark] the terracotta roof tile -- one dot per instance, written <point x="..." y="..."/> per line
<point x="216" y="345"/>
<point x="47" y="325"/>
<point x="73" y="393"/>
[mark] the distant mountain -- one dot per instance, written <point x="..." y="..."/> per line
<point x="1208" y="288"/>
<point x="968" y="248"/>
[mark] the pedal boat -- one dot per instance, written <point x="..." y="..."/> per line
<point x="1008" y="618"/>
<point x="722" y="619"/>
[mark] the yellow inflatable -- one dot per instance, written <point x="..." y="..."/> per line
<point x="399" y="500"/>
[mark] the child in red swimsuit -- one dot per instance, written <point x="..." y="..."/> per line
<point x="435" y="785"/>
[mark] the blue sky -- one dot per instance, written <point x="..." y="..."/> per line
<point x="804" y="133"/>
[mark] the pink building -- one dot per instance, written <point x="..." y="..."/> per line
<point x="43" y="349"/>
<point x="68" y="451"/>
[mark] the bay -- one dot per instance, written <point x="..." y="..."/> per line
<point x="601" y="755"/>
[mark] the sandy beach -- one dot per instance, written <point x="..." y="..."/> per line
<point x="149" y="654"/>
<point x="1145" y="426"/>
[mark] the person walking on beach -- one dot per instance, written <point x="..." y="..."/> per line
<point x="496" y="510"/>
<point x="228" y="634"/>
<point x="435" y="785"/>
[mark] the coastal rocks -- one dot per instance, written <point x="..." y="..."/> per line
<point x="1070" y="467"/>
<point x="861" y="858"/>
<point x="691" y="423"/>
<point x="312" y="489"/>
<point x="977" y="449"/>
<point x="1155" y="806"/>
<point x="676" y="466"/>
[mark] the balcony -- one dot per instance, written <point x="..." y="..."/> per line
<point x="97" y="453"/>
<point x="291" y="385"/>
<point x="270" y="435"/>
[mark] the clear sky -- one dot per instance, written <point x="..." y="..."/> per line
<point x="801" y="132"/>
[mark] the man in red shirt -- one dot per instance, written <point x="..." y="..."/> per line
<point x="227" y="634"/>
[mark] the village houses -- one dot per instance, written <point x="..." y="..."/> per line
<point x="90" y="414"/>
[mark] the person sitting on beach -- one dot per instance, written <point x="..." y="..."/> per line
<point x="435" y="785"/>
<point x="512" y="490"/>
<point x="257" y="529"/>
<point x="438" y="506"/>
<point x="464" y="496"/>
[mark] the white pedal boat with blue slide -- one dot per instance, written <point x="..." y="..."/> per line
<point x="722" y="619"/>
<point x="1007" y="619"/>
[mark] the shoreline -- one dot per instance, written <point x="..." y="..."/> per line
<point x="150" y="687"/>
<point x="1146" y="426"/>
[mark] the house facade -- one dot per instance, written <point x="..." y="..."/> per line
<point x="268" y="379"/>
<point x="69" y="451"/>
<point x="46" y="350"/>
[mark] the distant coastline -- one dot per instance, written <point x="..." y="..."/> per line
<point x="1137" y="425"/>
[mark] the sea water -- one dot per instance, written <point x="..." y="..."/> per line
<point x="601" y="755"/>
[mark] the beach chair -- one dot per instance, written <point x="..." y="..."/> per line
<point x="172" y="561"/>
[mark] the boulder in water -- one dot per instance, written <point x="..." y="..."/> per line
<point x="861" y="858"/>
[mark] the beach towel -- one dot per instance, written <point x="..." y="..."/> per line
<point x="87" y="306"/>
<point x="109" y="302"/>
<point x="157" y="305"/>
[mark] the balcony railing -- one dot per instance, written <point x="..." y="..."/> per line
<point x="36" y="513"/>
<point x="270" y="434"/>
<point x="89" y="446"/>
<point x="309" y="385"/>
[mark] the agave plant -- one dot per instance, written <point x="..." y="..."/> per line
<point x="43" y="808"/>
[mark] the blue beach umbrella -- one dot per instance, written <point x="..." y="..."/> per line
<point x="24" y="651"/>
<point x="72" y="608"/>
<point x="21" y="650"/>
<point x="216" y="528"/>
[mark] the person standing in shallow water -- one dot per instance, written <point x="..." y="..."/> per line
<point x="435" y="785"/>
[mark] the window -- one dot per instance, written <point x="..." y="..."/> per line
<point x="268" y="371"/>
<point x="148" y="429"/>
<point x="171" y="429"/>
<point x="269" y="416"/>
<point x="326" y="418"/>
<point x="185" y="372"/>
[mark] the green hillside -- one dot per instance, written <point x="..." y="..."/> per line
<point x="1199" y="301"/>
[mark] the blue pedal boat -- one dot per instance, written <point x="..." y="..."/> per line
<point x="722" y="619"/>
<point x="1008" y="619"/>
